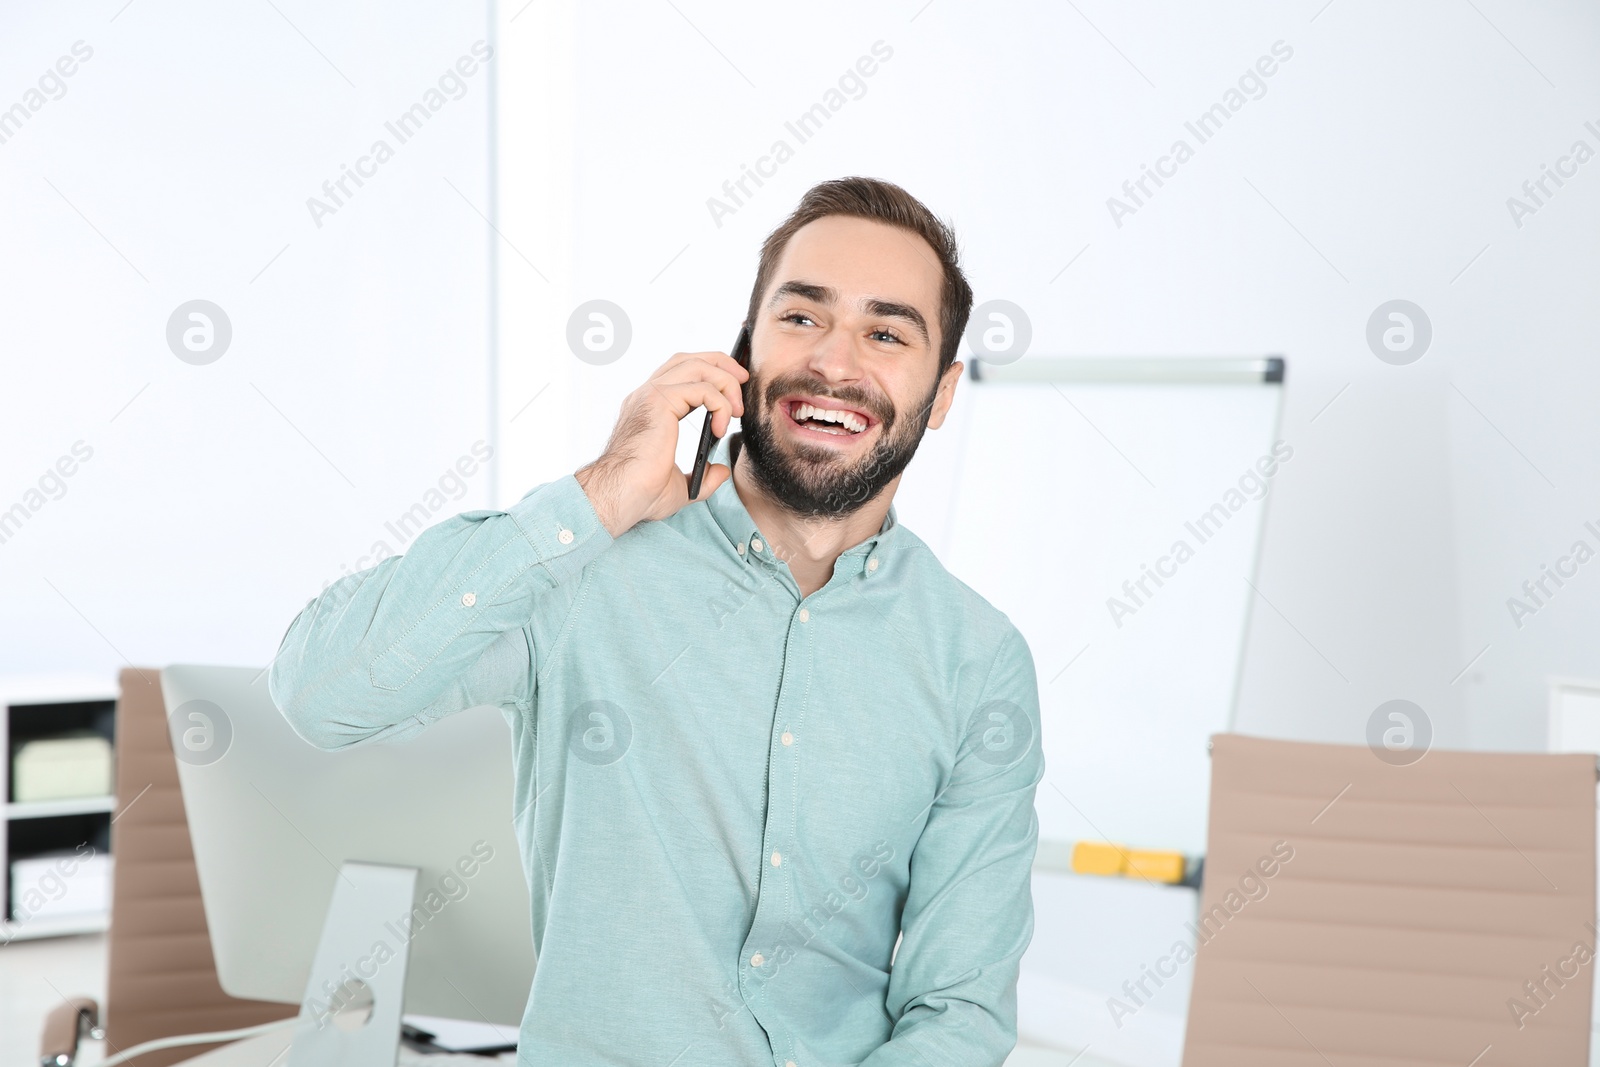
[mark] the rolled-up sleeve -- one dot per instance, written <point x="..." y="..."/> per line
<point x="449" y="625"/>
<point x="968" y="914"/>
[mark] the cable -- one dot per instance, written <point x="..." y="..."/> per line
<point x="194" y="1039"/>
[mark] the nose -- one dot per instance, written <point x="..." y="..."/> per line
<point x="836" y="357"/>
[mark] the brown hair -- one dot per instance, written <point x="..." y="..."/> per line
<point x="880" y="201"/>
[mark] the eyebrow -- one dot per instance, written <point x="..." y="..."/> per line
<point x="826" y="294"/>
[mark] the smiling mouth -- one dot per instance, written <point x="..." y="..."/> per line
<point x="829" y="422"/>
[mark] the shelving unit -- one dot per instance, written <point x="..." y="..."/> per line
<point x="41" y="706"/>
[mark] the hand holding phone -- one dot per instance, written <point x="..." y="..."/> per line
<point x="637" y="477"/>
<point x="741" y="356"/>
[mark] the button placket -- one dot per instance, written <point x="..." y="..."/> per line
<point x="773" y="892"/>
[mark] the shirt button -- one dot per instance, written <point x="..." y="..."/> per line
<point x="469" y="599"/>
<point x="755" y="544"/>
<point x="757" y="960"/>
<point x="872" y="564"/>
<point x="788" y="1063"/>
<point x="805" y="616"/>
<point x="739" y="548"/>
<point x="787" y="738"/>
<point x="565" y="537"/>
<point x="777" y="859"/>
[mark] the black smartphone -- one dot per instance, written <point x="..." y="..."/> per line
<point x="741" y="356"/>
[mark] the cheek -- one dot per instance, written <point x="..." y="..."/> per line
<point x="912" y="404"/>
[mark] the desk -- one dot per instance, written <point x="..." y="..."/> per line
<point x="272" y="1050"/>
<point x="269" y="1050"/>
<point x="263" y="1050"/>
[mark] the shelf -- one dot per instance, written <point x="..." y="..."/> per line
<point x="41" y="707"/>
<point x="87" y="923"/>
<point x="44" y="809"/>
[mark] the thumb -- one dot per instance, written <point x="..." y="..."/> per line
<point x="716" y="474"/>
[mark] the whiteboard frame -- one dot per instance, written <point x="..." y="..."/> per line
<point x="1160" y="370"/>
<point x="1055" y="856"/>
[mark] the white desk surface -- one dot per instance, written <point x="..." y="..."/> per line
<point x="272" y="1050"/>
<point x="263" y="1050"/>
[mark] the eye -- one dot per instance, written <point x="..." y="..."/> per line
<point x="793" y="315"/>
<point x="890" y="334"/>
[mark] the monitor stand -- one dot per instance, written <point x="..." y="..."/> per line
<point x="350" y="1016"/>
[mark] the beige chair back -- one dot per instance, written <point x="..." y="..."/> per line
<point x="161" y="978"/>
<point x="1357" y="911"/>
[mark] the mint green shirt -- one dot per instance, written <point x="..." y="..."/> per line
<point x="731" y="800"/>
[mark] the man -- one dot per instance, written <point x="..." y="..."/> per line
<point x="775" y="767"/>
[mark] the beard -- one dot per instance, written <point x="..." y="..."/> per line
<point x="815" y="481"/>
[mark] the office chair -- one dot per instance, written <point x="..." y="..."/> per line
<point x="161" y="979"/>
<point x="1367" y="907"/>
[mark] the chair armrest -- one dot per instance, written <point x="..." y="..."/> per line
<point x="64" y="1027"/>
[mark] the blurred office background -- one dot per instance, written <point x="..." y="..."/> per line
<point x="387" y="338"/>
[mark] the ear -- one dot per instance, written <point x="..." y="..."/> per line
<point x="946" y="394"/>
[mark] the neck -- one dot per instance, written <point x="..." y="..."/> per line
<point x="810" y="546"/>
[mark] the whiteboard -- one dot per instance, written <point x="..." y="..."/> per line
<point x="1070" y="498"/>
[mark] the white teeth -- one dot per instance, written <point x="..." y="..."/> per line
<point x="850" y="421"/>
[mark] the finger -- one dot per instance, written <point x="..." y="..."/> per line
<point x="722" y="359"/>
<point x="719" y="359"/>
<point x="731" y="380"/>
<point x="716" y="474"/>
<point x="683" y="397"/>
<point x="699" y="369"/>
<point x="709" y="370"/>
<point x="696" y="368"/>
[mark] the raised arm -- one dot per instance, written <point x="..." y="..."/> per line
<point x="969" y="910"/>
<point x="382" y="653"/>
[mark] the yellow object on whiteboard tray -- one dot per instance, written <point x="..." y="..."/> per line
<point x="1112" y="861"/>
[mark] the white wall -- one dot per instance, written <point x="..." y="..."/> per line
<point x="1375" y="166"/>
<point x="177" y="164"/>
<point x="1528" y="361"/>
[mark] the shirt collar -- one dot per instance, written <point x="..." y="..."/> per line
<point x="735" y="521"/>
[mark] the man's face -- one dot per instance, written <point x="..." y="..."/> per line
<point x="849" y="325"/>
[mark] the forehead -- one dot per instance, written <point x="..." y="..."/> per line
<point x="864" y="258"/>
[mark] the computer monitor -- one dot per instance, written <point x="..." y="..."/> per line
<point x="273" y="819"/>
